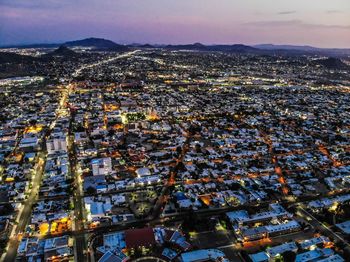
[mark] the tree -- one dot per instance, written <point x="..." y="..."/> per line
<point x="235" y="186"/>
<point x="190" y="221"/>
<point x="179" y="150"/>
<point x="6" y="209"/>
<point x="180" y="167"/>
<point x="58" y="189"/>
<point x="91" y="190"/>
<point x="289" y="256"/>
<point x="198" y="148"/>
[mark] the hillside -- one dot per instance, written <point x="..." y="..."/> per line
<point x="12" y="58"/>
<point x="237" y="48"/>
<point x="97" y="44"/>
<point x="62" y="51"/>
<point x="332" y="63"/>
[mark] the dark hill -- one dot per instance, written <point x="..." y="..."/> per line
<point x="62" y="51"/>
<point x="237" y="48"/>
<point x="332" y="63"/>
<point x="196" y="46"/>
<point x="286" y="47"/>
<point x="146" y="46"/>
<point x="12" y="58"/>
<point x="97" y="44"/>
<point x="220" y="48"/>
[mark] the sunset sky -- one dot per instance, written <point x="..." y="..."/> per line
<point x="321" y="23"/>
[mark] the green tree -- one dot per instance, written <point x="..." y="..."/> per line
<point x="289" y="256"/>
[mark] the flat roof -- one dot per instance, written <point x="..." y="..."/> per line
<point x="114" y="240"/>
<point x="135" y="238"/>
<point x="202" y="254"/>
<point x="259" y="257"/>
<point x="274" y="251"/>
<point x="345" y="227"/>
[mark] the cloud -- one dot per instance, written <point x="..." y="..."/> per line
<point x="295" y="23"/>
<point x="333" y="12"/>
<point x="37" y="4"/>
<point x="277" y="23"/>
<point x="287" y="12"/>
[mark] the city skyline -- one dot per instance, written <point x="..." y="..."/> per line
<point x="178" y="22"/>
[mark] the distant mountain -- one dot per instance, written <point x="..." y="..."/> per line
<point x="237" y="48"/>
<point x="331" y="63"/>
<point x="97" y="44"/>
<point x="304" y="49"/>
<point x="195" y="46"/>
<point x="286" y="47"/>
<point x="100" y="44"/>
<point x="62" y="51"/>
<point x="147" y="46"/>
<point x="137" y="45"/>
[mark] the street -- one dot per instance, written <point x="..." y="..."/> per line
<point x="24" y="215"/>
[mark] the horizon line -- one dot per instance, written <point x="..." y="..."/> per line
<point x="62" y="42"/>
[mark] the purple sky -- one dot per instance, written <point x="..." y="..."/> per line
<point x="322" y="23"/>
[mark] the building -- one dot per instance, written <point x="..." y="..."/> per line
<point x="115" y="255"/>
<point x="314" y="242"/>
<point x="314" y="255"/>
<point x="242" y="217"/>
<point x="284" y="228"/>
<point x="29" y="143"/>
<point x="134" y="241"/>
<point x="333" y="258"/>
<point x="251" y="234"/>
<point x="255" y="233"/>
<point x="203" y="255"/>
<point x="57" y="142"/>
<point x="344" y="227"/>
<point x="259" y="257"/>
<point x="280" y="249"/>
<point x="101" y="166"/>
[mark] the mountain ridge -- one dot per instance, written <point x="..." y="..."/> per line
<point x="101" y="44"/>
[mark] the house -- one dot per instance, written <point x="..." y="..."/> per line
<point x="255" y="233"/>
<point x="203" y="255"/>
<point x="259" y="257"/>
<point x="344" y="227"/>
<point x="284" y="228"/>
<point x="280" y="249"/>
<point x="101" y="166"/>
<point x="57" y="142"/>
<point x="134" y="241"/>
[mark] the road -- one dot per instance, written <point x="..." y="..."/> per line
<point x="322" y="227"/>
<point x="106" y="61"/>
<point x="150" y="221"/>
<point x="79" y="218"/>
<point x="165" y="193"/>
<point x="25" y="213"/>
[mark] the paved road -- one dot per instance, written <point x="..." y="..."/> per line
<point x="106" y="61"/>
<point x="322" y="227"/>
<point x="80" y="241"/>
<point x="165" y="193"/>
<point x="24" y="215"/>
